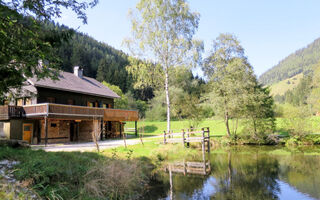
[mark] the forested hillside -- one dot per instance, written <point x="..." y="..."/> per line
<point x="301" y="61"/>
<point x="99" y="60"/>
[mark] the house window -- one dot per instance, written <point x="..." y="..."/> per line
<point x="28" y="101"/>
<point x="19" y="102"/>
<point x="70" y="102"/>
<point x="53" y="125"/>
<point x="51" y="100"/>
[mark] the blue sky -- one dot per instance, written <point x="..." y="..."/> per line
<point x="269" y="30"/>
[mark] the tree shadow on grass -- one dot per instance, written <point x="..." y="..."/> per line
<point x="150" y="129"/>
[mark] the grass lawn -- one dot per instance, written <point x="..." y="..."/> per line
<point x="217" y="127"/>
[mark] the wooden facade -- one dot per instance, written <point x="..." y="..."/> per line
<point x="63" y="121"/>
<point x="66" y="110"/>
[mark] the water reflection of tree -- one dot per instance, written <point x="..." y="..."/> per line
<point x="245" y="176"/>
<point x="301" y="172"/>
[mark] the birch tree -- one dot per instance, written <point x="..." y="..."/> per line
<point x="162" y="31"/>
<point x="230" y="77"/>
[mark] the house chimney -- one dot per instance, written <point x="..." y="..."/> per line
<point x="78" y="71"/>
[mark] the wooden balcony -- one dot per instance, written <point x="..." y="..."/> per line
<point x="67" y="112"/>
<point x="9" y="112"/>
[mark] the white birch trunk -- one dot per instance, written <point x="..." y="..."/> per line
<point x="168" y="99"/>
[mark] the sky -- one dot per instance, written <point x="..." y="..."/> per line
<point x="269" y="30"/>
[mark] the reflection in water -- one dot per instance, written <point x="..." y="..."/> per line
<point x="250" y="174"/>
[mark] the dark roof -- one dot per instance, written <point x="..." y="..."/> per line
<point x="69" y="82"/>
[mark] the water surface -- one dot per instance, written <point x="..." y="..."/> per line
<point x="244" y="173"/>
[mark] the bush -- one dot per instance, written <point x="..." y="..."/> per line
<point x="118" y="179"/>
<point x="311" y="139"/>
<point x="297" y="120"/>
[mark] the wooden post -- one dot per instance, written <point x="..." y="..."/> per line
<point x="171" y="183"/>
<point x="203" y="141"/>
<point x="120" y="130"/>
<point x="164" y="137"/>
<point x="184" y="167"/>
<point x="204" y="162"/>
<point x="136" y="128"/>
<point x="208" y="139"/>
<point x="101" y="130"/>
<point x="188" y="136"/>
<point x="183" y="139"/>
<point x="46" y="130"/>
<point x="124" y="135"/>
<point x="78" y="130"/>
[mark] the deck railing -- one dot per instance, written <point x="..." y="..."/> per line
<point x="58" y="110"/>
<point x="68" y="111"/>
<point x="7" y="112"/>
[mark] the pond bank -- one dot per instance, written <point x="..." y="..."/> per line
<point x="67" y="174"/>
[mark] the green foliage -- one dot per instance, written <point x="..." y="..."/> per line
<point x="51" y="173"/>
<point x="297" y="120"/>
<point x="302" y="61"/>
<point x="118" y="179"/>
<point x="139" y="105"/>
<point x="28" y="49"/>
<point x="145" y="74"/>
<point x="25" y="45"/>
<point x="75" y="175"/>
<point x="47" y="9"/>
<point x="299" y="95"/>
<point x="234" y="90"/>
<point x="259" y="112"/>
<point x="163" y="31"/>
<point x="122" y="102"/>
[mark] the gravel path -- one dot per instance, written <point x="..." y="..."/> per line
<point x="88" y="146"/>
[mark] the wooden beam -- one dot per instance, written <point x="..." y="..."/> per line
<point x="136" y="128"/>
<point x="46" y="130"/>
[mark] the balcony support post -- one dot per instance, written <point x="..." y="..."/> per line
<point x="46" y="130"/>
<point x="136" y="128"/>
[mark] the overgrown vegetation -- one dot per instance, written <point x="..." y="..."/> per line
<point x="66" y="175"/>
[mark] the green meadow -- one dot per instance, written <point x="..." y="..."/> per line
<point x="217" y="127"/>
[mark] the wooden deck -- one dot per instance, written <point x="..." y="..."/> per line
<point x="58" y="111"/>
<point x="9" y="112"/>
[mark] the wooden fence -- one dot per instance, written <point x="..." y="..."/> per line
<point x="186" y="136"/>
<point x="192" y="168"/>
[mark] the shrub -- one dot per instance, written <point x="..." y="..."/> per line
<point x="297" y="121"/>
<point x="118" y="179"/>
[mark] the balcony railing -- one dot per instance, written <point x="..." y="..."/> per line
<point x="79" y="112"/>
<point x="8" y="112"/>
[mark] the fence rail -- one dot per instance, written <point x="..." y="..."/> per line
<point x="186" y="136"/>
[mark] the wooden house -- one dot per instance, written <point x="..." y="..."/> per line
<point x="64" y="110"/>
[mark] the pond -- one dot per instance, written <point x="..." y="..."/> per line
<point x="243" y="173"/>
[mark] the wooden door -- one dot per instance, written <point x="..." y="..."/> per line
<point x="27" y="132"/>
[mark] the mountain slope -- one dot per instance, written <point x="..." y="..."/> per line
<point x="98" y="59"/>
<point x="281" y="87"/>
<point x="298" y="62"/>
